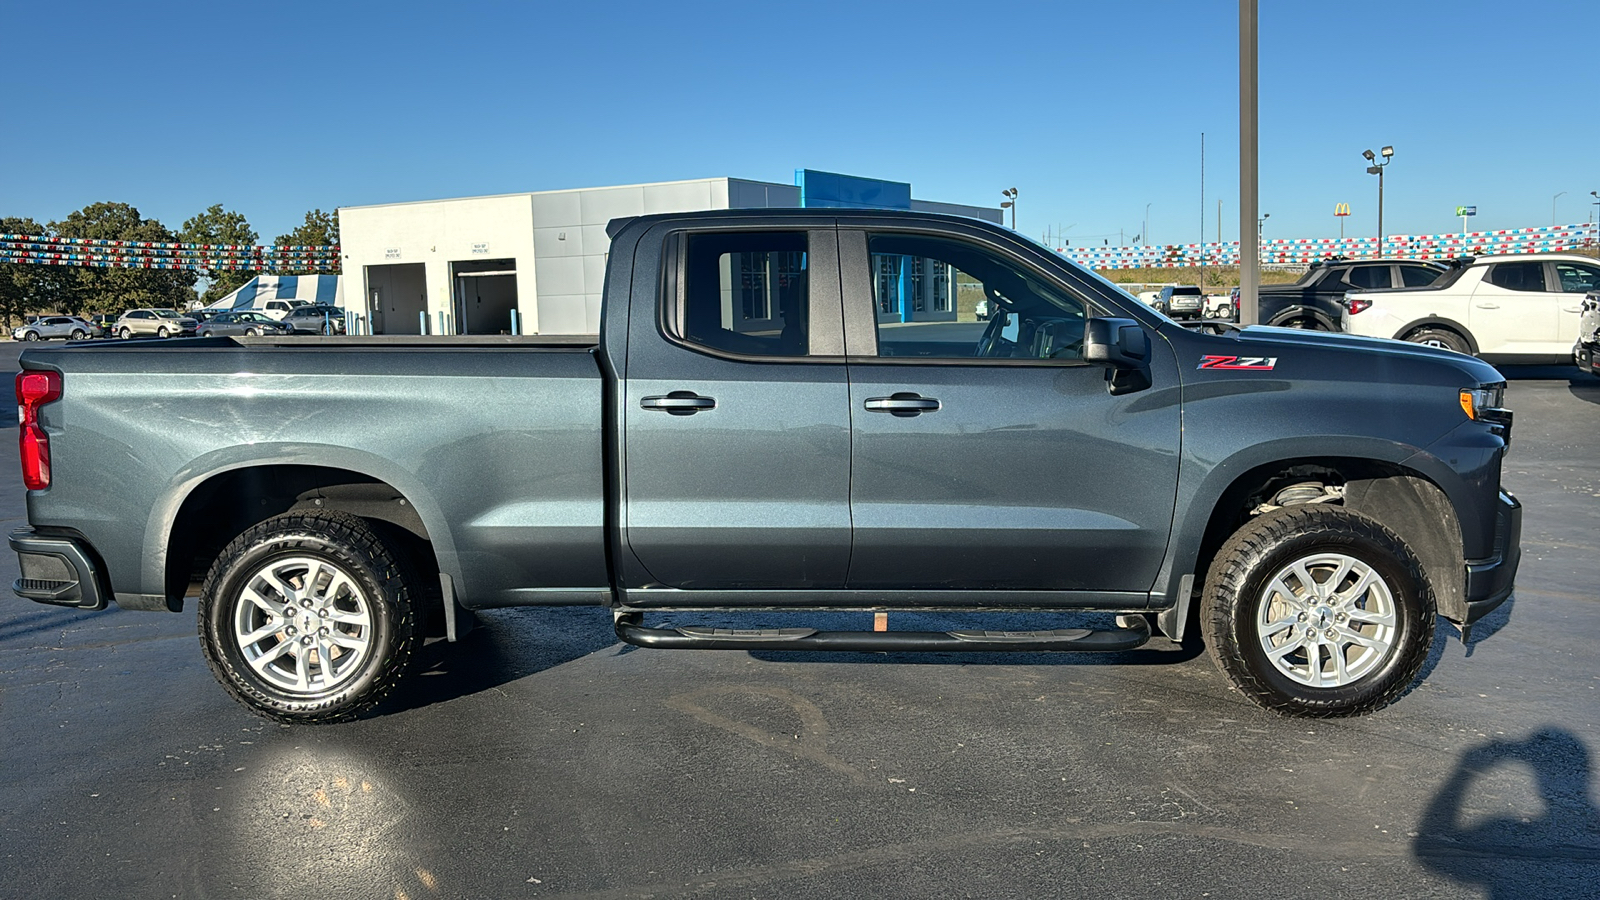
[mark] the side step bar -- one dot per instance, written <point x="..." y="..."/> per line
<point x="1131" y="631"/>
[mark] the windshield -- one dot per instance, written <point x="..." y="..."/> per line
<point x="166" y="313"/>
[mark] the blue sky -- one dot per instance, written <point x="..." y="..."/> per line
<point x="1091" y="110"/>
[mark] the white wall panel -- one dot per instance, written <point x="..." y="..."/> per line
<point x="594" y="274"/>
<point x="558" y="275"/>
<point x="557" y="208"/>
<point x="548" y="242"/>
<point x="604" y="204"/>
<point x="565" y="314"/>
<point x="684" y="196"/>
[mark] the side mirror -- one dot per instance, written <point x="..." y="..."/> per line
<point x="1123" y="348"/>
<point x="1116" y="343"/>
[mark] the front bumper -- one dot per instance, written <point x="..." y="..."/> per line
<point x="1587" y="356"/>
<point x="1490" y="581"/>
<point x="58" y="570"/>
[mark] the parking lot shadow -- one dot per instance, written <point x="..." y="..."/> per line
<point x="1510" y="855"/>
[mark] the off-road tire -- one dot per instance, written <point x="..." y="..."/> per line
<point x="1237" y="586"/>
<point x="349" y="544"/>
<point x="1439" y="337"/>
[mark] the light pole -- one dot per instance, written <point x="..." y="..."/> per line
<point x="1011" y="203"/>
<point x="1377" y="169"/>
<point x="1144" y="233"/>
<point x="1596" y="196"/>
<point x="1261" y="231"/>
<point x="1553" y="207"/>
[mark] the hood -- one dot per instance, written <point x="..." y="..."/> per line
<point x="1267" y="340"/>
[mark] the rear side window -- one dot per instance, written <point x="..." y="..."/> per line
<point x="1418" y="276"/>
<point x="1577" y="278"/>
<point x="1368" y="276"/>
<point x="747" y="293"/>
<point x="1518" y="276"/>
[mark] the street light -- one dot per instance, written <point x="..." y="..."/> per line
<point x="1011" y="203"/>
<point x="1596" y="196"/>
<point x="1144" y="234"/>
<point x="1377" y="169"/>
<point x="1261" y="230"/>
<point x="1553" y="207"/>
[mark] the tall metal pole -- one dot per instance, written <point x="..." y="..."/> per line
<point x="1249" y="197"/>
<point x="1380" y="212"/>
<point x="1202" y="213"/>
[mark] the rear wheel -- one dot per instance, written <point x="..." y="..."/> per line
<point x="1317" y="611"/>
<point x="308" y="618"/>
<point x="1305" y="323"/>
<point x="1435" y="336"/>
<point x="77" y="335"/>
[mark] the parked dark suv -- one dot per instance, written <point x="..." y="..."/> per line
<point x="1313" y="302"/>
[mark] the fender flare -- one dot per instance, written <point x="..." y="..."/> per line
<point x="164" y="512"/>
<point x="1442" y="321"/>
<point x="1297" y="311"/>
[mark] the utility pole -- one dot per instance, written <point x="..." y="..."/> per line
<point x="1203" y="213"/>
<point x="1249" y="199"/>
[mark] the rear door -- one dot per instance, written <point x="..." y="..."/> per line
<point x="735" y="414"/>
<point x="987" y="456"/>
<point x="1515" y="308"/>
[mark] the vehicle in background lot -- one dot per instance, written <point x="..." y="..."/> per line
<point x="317" y="320"/>
<point x="277" y="309"/>
<point x="158" y="322"/>
<point x="104" y="323"/>
<point x="206" y="314"/>
<point x="1148" y="298"/>
<point x="244" y="322"/>
<point x="44" y="328"/>
<point x="1587" y="352"/>
<point x="1221" y="306"/>
<point x="1515" y="309"/>
<point x="1179" y="301"/>
<point x="799" y="447"/>
<point x="1315" y="301"/>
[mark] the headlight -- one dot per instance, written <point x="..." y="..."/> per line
<point x="1484" y="403"/>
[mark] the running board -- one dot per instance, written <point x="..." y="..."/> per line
<point x="1131" y="631"/>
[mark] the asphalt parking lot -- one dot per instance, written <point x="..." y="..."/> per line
<point x="541" y="758"/>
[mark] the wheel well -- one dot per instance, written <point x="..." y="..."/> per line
<point x="224" y="506"/>
<point x="1401" y="499"/>
<point x="1455" y="328"/>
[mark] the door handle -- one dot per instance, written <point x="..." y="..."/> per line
<point x="902" y="404"/>
<point x="1488" y="306"/>
<point x="679" y="403"/>
<point x="1572" y="309"/>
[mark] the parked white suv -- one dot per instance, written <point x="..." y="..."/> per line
<point x="277" y="309"/>
<point x="1516" y="309"/>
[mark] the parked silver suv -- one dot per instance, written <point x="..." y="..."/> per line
<point x="45" y="327"/>
<point x="159" y="322"/>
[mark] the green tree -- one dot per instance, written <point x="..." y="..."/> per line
<point x="114" y="290"/>
<point x="30" y="287"/>
<point x="320" y="229"/>
<point x="220" y="226"/>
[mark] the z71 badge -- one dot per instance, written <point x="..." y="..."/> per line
<point x="1251" y="363"/>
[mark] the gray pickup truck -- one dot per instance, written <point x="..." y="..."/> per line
<point x="787" y="410"/>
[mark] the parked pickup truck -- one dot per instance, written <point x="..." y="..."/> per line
<point x="1507" y="309"/>
<point x="767" y="422"/>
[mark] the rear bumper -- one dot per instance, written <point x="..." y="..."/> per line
<point x="1490" y="581"/>
<point x="58" y="570"/>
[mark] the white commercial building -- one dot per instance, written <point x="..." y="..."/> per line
<point x="534" y="263"/>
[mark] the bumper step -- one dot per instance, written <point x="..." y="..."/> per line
<point x="1132" y="631"/>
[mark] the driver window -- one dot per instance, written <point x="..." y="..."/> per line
<point x="936" y="298"/>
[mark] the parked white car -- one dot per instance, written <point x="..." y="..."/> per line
<point x="277" y="309"/>
<point x="1514" y="309"/>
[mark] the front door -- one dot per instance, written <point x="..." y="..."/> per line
<point x="736" y="416"/>
<point x="987" y="455"/>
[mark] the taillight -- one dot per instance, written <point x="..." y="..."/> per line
<point x="1356" y="304"/>
<point x="35" y="389"/>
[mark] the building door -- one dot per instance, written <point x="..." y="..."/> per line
<point x="485" y="295"/>
<point x="399" y="292"/>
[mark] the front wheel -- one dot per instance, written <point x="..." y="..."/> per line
<point x="1439" y="337"/>
<point x="253" y="332"/>
<point x="163" y="332"/>
<point x="30" y="335"/>
<point x="1318" y="611"/>
<point x="125" y="333"/>
<point x="308" y="618"/>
